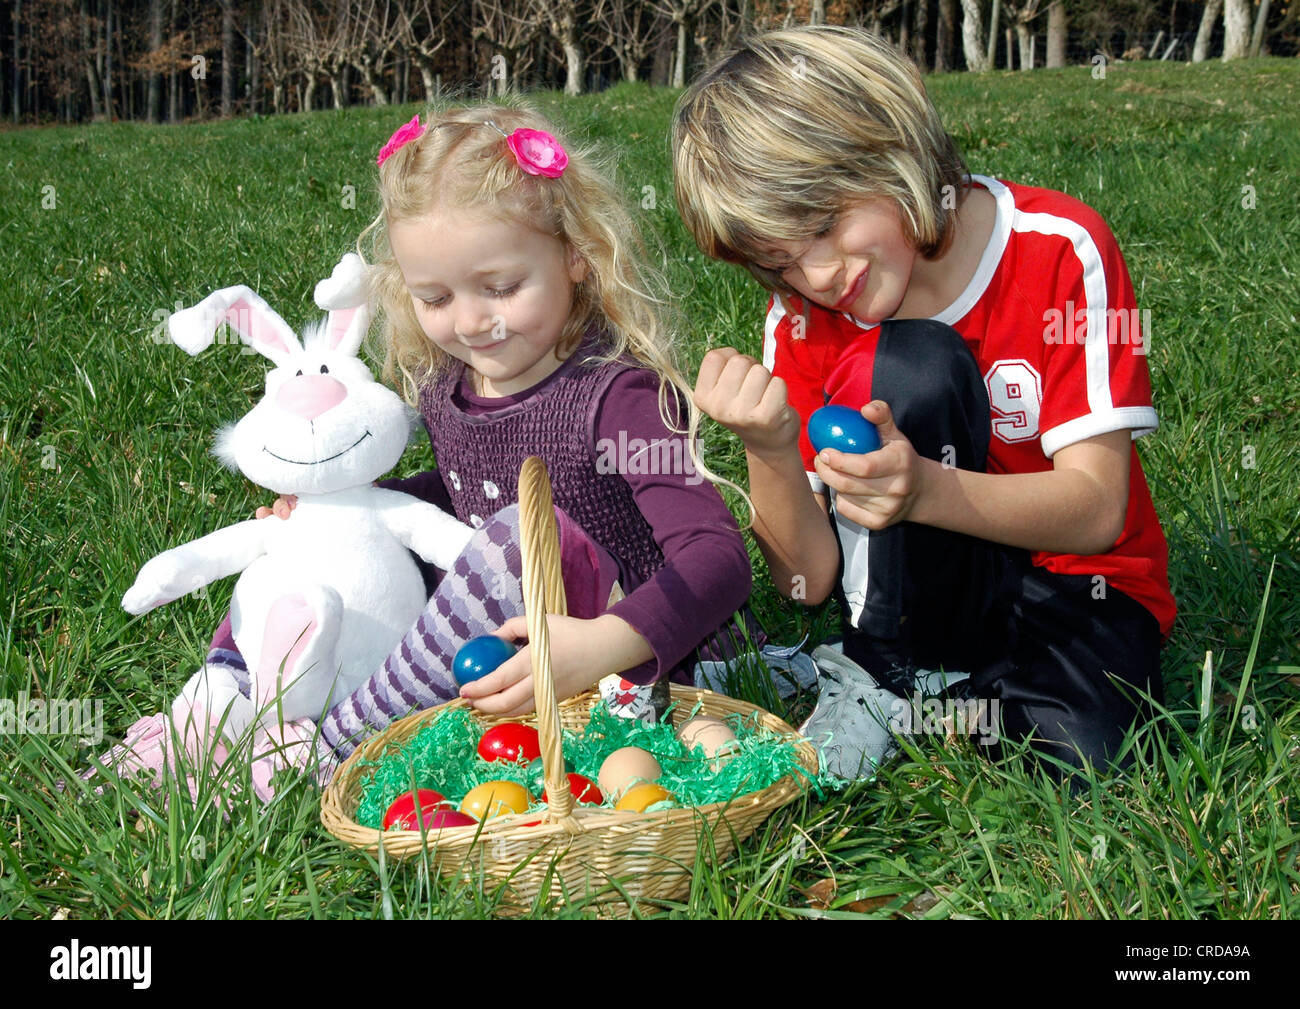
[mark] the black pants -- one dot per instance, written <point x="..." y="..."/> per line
<point x="1063" y="655"/>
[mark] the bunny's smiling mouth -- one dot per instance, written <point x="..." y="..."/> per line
<point x="317" y="462"/>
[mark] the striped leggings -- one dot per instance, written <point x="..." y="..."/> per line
<point x="482" y="591"/>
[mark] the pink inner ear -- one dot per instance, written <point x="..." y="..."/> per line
<point x="250" y="323"/>
<point x="340" y="320"/>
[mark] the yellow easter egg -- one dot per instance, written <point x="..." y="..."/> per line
<point x="495" y="798"/>
<point x="625" y="766"/>
<point x="638" y="797"/>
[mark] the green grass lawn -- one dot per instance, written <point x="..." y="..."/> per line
<point x="104" y="461"/>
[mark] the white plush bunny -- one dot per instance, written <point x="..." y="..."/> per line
<point x="326" y="595"/>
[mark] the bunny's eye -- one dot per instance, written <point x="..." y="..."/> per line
<point x="299" y="373"/>
<point x="324" y="370"/>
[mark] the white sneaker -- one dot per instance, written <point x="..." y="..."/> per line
<point x="850" y="724"/>
<point x="791" y="669"/>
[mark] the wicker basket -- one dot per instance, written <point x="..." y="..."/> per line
<point x="581" y="853"/>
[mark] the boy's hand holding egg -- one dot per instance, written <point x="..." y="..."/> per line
<point x="873" y="487"/>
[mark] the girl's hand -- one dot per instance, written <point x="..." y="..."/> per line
<point x="744" y="397"/>
<point x="281" y="509"/>
<point x="574" y="645"/>
<point x="875" y="489"/>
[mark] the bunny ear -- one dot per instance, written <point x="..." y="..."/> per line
<point x="345" y="293"/>
<point x="346" y="287"/>
<point x="259" y="325"/>
<point x="346" y="328"/>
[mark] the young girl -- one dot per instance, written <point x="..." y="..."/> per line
<point x="518" y="318"/>
<point x="989" y="330"/>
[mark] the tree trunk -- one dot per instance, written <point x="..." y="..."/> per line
<point x="108" y="60"/>
<point x="1210" y="15"/>
<point x="154" y="102"/>
<point x="1056" y="25"/>
<point x="922" y="25"/>
<point x="254" y="76"/>
<point x="972" y="36"/>
<point x="627" y="63"/>
<point x="945" y="32"/>
<point x="818" y="15"/>
<point x="373" y="82"/>
<point x="662" y="64"/>
<point x="572" y="60"/>
<point x="18" y="13"/>
<point x="173" y="79"/>
<point x="1023" y="39"/>
<point x="679" y="65"/>
<point x="429" y="82"/>
<point x="92" y="72"/>
<point x="128" y="92"/>
<point x="904" y="29"/>
<point x="1236" y="29"/>
<point x="277" y="96"/>
<point x="227" y="59"/>
<point x="991" y="62"/>
<point x="573" y="79"/>
<point x="1257" y="38"/>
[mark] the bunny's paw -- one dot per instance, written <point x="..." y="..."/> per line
<point x="161" y="580"/>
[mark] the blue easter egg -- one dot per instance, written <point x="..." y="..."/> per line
<point x="843" y="429"/>
<point x="478" y="657"/>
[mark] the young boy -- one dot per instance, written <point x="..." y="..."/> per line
<point x="988" y="329"/>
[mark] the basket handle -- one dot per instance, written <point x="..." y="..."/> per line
<point x="544" y="593"/>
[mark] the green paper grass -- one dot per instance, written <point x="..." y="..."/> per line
<point x="443" y="756"/>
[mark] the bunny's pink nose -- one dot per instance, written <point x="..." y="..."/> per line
<point x="309" y="396"/>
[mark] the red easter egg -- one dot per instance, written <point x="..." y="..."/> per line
<point x="402" y="811"/>
<point x="510" y="741"/>
<point x="584" y="791"/>
<point x="446" y="816"/>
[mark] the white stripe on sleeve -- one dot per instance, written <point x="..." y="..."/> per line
<point x="774" y="316"/>
<point x="1096" y="348"/>
<point x="1139" y="420"/>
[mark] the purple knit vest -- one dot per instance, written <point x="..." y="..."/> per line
<point x="480" y="457"/>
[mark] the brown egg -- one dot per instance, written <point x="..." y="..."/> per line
<point x="625" y="767"/>
<point x="712" y="735"/>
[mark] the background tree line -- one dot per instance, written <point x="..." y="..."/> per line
<point x="164" y="60"/>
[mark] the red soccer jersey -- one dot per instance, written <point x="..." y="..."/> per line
<point x="1051" y="319"/>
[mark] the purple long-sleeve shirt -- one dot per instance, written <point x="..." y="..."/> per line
<point x="706" y="575"/>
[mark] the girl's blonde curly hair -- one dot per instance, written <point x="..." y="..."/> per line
<point x="461" y="162"/>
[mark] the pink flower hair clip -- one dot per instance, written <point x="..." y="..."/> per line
<point x="402" y="136"/>
<point x="537" y="152"/>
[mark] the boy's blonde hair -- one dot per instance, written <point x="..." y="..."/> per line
<point x="778" y="137"/>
